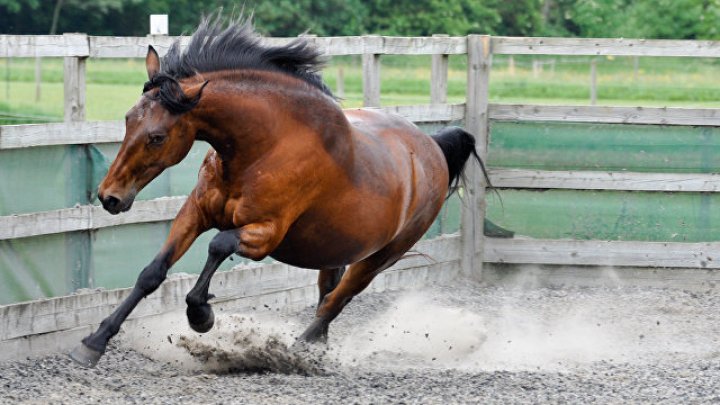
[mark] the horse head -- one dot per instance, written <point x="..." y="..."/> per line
<point x="157" y="135"/>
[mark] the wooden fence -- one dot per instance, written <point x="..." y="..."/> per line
<point x="477" y="113"/>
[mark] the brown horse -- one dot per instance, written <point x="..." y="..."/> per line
<point x="290" y="174"/>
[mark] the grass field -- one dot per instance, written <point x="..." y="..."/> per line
<point x="114" y="85"/>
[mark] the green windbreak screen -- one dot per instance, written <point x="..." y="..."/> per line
<point x="611" y="147"/>
<point x="39" y="179"/>
<point x="34" y="267"/>
<point x="608" y="215"/>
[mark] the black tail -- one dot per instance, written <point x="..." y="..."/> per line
<point x="458" y="145"/>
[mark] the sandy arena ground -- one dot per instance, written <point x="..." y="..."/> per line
<point x="465" y="344"/>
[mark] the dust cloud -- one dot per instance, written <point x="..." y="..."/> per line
<point x="482" y="329"/>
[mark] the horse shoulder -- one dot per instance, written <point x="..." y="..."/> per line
<point x="210" y="193"/>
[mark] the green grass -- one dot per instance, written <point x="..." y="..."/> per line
<point x="113" y="86"/>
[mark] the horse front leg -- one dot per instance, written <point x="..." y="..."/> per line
<point x="254" y="241"/>
<point x="199" y="312"/>
<point x="187" y="226"/>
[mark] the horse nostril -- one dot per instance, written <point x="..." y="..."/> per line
<point x="110" y="202"/>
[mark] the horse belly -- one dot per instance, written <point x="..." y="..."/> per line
<point x="329" y="241"/>
<point x="320" y="251"/>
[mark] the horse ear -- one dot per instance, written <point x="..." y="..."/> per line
<point x="152" y="62"/>
<point x="195" y="91"/>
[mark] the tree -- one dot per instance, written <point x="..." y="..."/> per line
<point x="14" y="6"/>
<point x="588" y="18"/>
<point x="680" y="19"/>
<point x="323" y="18"/>
<point x="709" y="26"/>
<point x="520" y="17"/>
<point x="427" y="17"/>
<point x="599" y="18"/>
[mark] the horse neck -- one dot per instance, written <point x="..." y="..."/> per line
<point x="244" y="124"/>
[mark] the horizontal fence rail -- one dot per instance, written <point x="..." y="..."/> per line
<point x="592" y="180"/>
<point x="605" y="46"/>
<point x="607" y="115"/>
<point x="84" y="132"/>
<point x="62" y="133"/>
<point x="78" y="133"/>
<point x="705" y="255"/>
<point x="82" y="45"/>
<point x="31" y="46"/>
<point x="87" y="217"/>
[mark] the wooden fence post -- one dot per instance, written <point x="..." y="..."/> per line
<point x="636" y="68"/>
<point x="371" y="76"/>
<point x="439" y="77"/>
<point x="476" y="122"/>
<point x="340" y="82"/>
<point x="593" y="82"/>
<point x="38" y="79"/>
<point x="74" y="89"/>
<point x="77" y="244"/>
<point x="7" y="78"/>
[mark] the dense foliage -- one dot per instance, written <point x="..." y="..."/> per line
<point x="680" y="19"/>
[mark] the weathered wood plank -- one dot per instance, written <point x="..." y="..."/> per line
<point x="371" y="79"/>
<point x="607" y="115"/>
<point x="74" y="87"/>
<point x="136" y="47"/>
<point x="384" y="45"/>
<point x="69" y="133"/>
<point x="429" y="113"/>
<point x="605" y="46"/>
<point x="549" y="276"/>
<point x="593" y="180"/>
<point x="78" y="133"/>
<point x="87" y="217"/>
<point x="31" y="46"/>
<point x="159" y="209"/>
<point x="131" y="47"/>
<point x="704" y="255"/>
<point x="476" y="122"/>
<point x="439" y="76"/>
<point x="21" y="136"/>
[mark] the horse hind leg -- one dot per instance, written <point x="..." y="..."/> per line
<point x="356" y="278"/>
<point x="199" y="312"/>
<point x="328" y="279"/>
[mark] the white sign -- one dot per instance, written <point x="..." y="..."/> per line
<point x="158" y="24"/>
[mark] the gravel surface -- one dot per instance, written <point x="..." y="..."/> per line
<point x="462" y="344"/>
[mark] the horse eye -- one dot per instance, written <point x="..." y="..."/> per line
<point x="156" y="139"/>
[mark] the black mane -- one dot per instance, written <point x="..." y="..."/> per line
<point x="216" y="45"/>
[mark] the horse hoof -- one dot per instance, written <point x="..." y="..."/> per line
<point x="316" y="333"/>
<point x="85" y="356"/>
<point x="203" y="312"/>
